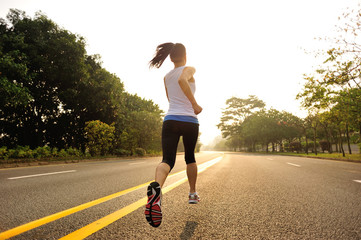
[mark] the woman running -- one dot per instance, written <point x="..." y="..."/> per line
<point x="180" y="120"/>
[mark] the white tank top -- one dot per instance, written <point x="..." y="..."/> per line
<point x="178" y="102"/>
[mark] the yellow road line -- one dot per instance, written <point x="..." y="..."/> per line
<point x="105" y="221"/>
<point x="37" y="223"/>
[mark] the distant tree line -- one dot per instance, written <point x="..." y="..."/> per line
<point x="332" y="96"/>
<point x="247" y="126"/>
<point x="53" y="94"/>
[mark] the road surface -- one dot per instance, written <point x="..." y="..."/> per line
<point x="243" y="196"/>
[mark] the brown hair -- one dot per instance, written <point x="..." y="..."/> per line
<point x="177" y="51"/>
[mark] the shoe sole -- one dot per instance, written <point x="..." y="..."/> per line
<point x="153" y="212"/>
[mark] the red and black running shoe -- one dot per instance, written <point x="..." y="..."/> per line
<point x="153" y="212"/>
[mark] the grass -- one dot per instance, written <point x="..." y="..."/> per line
<point x="337" y="156"/>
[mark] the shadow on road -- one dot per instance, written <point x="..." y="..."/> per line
<point x="188" y="230"/>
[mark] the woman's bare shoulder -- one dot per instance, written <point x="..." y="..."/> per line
<point x="189" y="70"/>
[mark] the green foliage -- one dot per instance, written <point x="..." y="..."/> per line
<point x="355" y="138"/>
<point x="332" y="94"/>
<point x="142" y="125"/>
<point x="52" y="81"/>
<point x="325" y="146"/>
<point x="24" y="152"/>
<point x="74" y="152"/>
<point x="257" y="127"/>
<point x="42" y="62"/>
<point x="18" y="152"/>
<point x="99" y="137"/>
<point x="63" y="153"/>
<point x="21" y="152"/>
<point x="54" y="152"/>
<point x="311" y="146"/>
<point x="122" y="152"/>
<point x="13" y="70"/>
<point x="295" y="147"/>
<point x="42" y="152"/>
<point x="139" y="152"/>
<point x="11" y="153"/>
<point x="236" y="112"/>
<point x="3" y="152"/>
<point x="50" y="88"/>
<point x="12" y="93"/>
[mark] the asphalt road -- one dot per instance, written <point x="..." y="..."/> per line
<point x="243" y="196"/>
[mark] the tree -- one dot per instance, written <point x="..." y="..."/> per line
<point x="236" y="112"/>
<point x="99" y="137"/>
<point x="50" y="62"/>
<point x="12" y="91"/>
<point x="141" y="125"/>
<point x="246" y="123"/>
<point x="335" y="89"/>
<point x="257" y="128"/>
<point x="314" y="123"/>
<point x="50" y="88"/>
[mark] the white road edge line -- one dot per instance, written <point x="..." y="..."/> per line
<point x="359" y="181"/>
<point x="270" y="158"/>
<point x="296" y="165"/>
<point x="42" y="174"/>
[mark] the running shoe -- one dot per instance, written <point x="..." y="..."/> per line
<point x="153" y="212"/>
<point x="194" y="198"/>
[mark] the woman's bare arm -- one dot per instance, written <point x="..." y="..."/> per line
<point x="186" y="76"/>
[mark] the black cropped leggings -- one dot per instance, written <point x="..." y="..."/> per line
<point x="171" y="132"/>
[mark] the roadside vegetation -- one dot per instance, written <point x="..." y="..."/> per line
<point x="332" y="96"/>
<point x="335" y="156"/>
<point x="58" y="102"/>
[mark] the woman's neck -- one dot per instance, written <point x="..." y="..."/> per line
<point x="179" y="64"/>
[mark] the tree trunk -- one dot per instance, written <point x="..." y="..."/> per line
<point x="281" y="147"/>
<point x="314" y="140"/>
<point x="336" y="143"/>
<point x="306" y="145"/>
<point x="341" y="144"/>
<point x="348" y="139"/>
<point x="331" y="141"/>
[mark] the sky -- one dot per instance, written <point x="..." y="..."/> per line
<point x="239" y="48"/>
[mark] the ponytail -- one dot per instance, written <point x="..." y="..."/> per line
<point x="162" y="52"/>
<point x="176" y="51"/>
